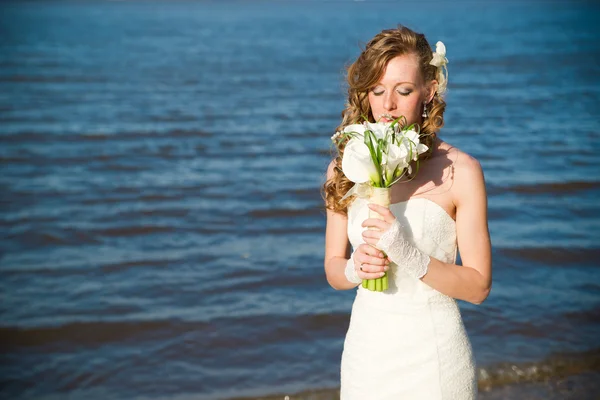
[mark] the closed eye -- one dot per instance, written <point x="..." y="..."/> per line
<point x="400" y="92"/>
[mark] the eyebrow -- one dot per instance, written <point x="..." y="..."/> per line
<point x="398" y="83"/>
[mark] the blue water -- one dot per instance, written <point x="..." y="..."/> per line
<point x="162" y="227"/>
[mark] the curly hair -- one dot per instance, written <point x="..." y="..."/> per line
<point x="361" y="76"/>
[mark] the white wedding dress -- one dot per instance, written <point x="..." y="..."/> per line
<point x="408" y="342"/>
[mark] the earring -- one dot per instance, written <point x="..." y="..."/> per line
<point x="424" y="110"/>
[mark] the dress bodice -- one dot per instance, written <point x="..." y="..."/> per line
<point x="428" y="227"/>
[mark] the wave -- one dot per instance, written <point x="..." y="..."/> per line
<point x="38" y="137"/>
<point x="556" y="365"/>
<point x="283" y="213"/>
<point x="53" y="237"/>
<point x="232" y="331"/>
<point x="133" y="230"/>
<point x="140" y="197"/>
<point x="546" y="188"/>
<point x="558" y="256"/>
<point x="88" y="333"/>
<point x="155" y="212"/>
<point x="585" y="317"/>
<point x="247" y="280"/>
<point x="61" y="270"/>
<point x="73" y="237"/>
<point x="50" y="79"/>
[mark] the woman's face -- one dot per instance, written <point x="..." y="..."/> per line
<point x="400" y="92"/>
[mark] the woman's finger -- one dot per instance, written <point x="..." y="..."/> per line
<point x="370" y="241"/>
<point x="385" y="212"/>
<point x="370" y="250"/>
<point x="371" y="264"/>
<point x="369" y="275"/>
<point x="371" y="234"/>
<point x="368" y="268"/>
<point x="375" y="223"/>
<point x="370" y="259"/>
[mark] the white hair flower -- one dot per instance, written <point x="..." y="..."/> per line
<point x="440" y="61"/>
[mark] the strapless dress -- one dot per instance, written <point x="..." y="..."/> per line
<point x="408" y="342"/>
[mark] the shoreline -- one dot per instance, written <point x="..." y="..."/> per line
<point x="560" y="376"/>
<point x="582" y="386"/>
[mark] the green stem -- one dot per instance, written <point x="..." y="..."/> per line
<point x="377" y="284"/>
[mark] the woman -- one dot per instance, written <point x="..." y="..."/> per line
<point x="408" y="342"/>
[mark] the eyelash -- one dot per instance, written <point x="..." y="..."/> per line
<point x="400" y="93"/>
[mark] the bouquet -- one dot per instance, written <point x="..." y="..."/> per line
<point x="377" y="154"/>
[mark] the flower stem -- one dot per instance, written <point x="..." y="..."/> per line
<point x="379" y="196"/>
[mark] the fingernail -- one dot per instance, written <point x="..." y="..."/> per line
<point x="382" y="274"/>
<point x="386" y="268"/>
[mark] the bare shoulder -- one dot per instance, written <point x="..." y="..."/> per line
<point x="465" y="162"/>
<point x="469" y="180"/>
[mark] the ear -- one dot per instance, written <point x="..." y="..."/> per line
<point x="431" y="88"/>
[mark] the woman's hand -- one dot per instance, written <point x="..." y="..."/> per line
<point x="390" y="238"/>
<point x="369" y="262"/>
<point x="372" y="236"/>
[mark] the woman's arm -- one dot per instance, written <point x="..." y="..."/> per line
<point x="472" y="281"/>
<point x="337" y="247"/>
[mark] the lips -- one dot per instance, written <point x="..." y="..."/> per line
<point x="386" y="118"/>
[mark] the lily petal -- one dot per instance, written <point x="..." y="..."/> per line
<point x="357" y="163"/>
<point x="421" y="148"/>
<point x="358" y="129"/>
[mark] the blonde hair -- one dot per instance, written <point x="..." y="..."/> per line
<point x="361" y="76"/>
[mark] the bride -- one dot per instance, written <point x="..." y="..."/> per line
<point x="409" y="341"/>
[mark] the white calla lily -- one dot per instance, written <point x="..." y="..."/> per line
<point x="421" y="148"/>
<point x="355" y="128"/>
<point x="413" y="145"/>
<point x="357" y="163"/>
<point x="395" y="156"/>
<point x="381" y="161"/>
<point x="379" y="129"/>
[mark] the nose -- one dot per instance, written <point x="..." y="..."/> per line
<point x="389" y="103"/>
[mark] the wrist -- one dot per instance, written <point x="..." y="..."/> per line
<point x="403" y="253"/>
<point x="350" y="272"/>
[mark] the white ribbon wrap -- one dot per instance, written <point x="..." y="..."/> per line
<point x="362" y="190"/>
